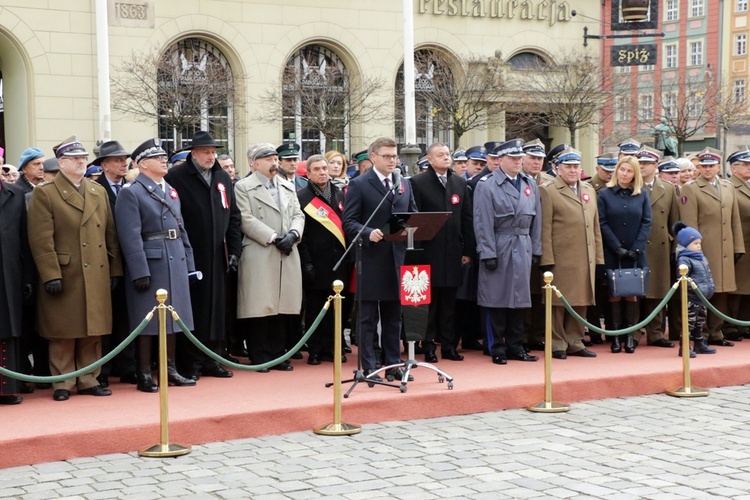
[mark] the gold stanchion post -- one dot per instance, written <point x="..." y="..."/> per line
<point x="548" y="406"/>
<point x="337" y="427"/>
<point x="687" y="390"/>
<point x="165" y="448"/>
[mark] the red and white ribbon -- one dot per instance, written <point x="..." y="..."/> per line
<point x="224" y="201"/>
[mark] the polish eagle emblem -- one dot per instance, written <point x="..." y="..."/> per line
<point x="415" y="283"/>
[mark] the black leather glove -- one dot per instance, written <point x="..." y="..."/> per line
<point x="621" y="252"/>
<point x="114" y="282"/>
<point x="632" y="255"/>
<point x="308" y="271"/>
<point x="234" y="263"/>
<point x="53" y="287"/>
<point x="490" y="264"/>
<point x="535" y="260"/>
<point x="286" y="243"/>
<point x="142" y="284"/>
<point x="28" y="291"/>
<point x="737" y="257"/>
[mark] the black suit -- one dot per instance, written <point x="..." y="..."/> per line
<point x="443" y="253"/>
<point x="381" y="263"/>
<point x="214" y="232"/>
<point x="123" y="363"/>
<point x="322" y="245"/>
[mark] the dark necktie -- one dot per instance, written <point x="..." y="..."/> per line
<point x="443" y="180"/>
<point x="387" y="182"/>
<point x="517" y="184"/>
<point x="117" y="188"/>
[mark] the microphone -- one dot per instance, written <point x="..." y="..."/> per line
<point x="397" y="180"/>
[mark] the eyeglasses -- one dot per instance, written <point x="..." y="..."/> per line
<point x="387" y="157"/>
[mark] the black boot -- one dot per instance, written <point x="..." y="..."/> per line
<point x="616" y="314"/>
<point x="145" y="382"/>
<point x="173" y="377"/>
<point x="700" y="346"/>
<point x="629" y="343"/>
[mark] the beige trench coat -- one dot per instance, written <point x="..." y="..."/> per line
<point x="269" y="282"/>
<point x="715" y="214"/>
<point x="571" y="239"/>
<point x="73" y="238"/>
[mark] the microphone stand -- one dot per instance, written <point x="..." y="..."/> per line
<point x="359" y="375"/>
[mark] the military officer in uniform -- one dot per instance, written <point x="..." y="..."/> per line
<point x="460" y="163"/>
<point x="660" y="245"/>
<point x="605" y="165"/>
<point x="157" y="255"/>
<point x="669" y="170"/>
<point x="476" y="161"/>
<point x="629" y="147"/>
<point x="532" y="165"/>
<point x="73" y="239"/>
<point x="739" y="300"/>
<point x="507" y="225"/>
<point x="709" y="204"/>
<point x="288" y="160"/>
<point x="571" y="249"/>
<point x="438" y="189"/>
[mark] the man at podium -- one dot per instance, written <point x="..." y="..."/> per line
<point x="381" y="260"/>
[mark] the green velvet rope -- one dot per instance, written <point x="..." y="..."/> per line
<point x="237" y="366"/>
<point x="713" y="308"/>
<point x="624" y="331"/>
<point x="86" y="369"/>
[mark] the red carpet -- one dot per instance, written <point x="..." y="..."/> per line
<point x="254" y="404"/>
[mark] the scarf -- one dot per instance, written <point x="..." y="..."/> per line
<point x="323" y="193"/>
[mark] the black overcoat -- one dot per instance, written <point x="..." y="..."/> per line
<point x="456" y="238"/>
<point x="17" y="263"/>
<point x="214" y="234"/>
<point x="381" y="261"/>
<point x="320" y="246"/>
<point x="625" y="222"/>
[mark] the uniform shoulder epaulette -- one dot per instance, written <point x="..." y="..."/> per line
<point x="43" y="183"/>
<point x="127" y="184"/>
<point x="484" y="178"/>
<point x="725" y="181"/>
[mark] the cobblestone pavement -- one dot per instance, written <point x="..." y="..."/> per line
<point x="641" y="447"/>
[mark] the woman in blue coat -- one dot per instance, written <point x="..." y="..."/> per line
<point x="625" y="220"/>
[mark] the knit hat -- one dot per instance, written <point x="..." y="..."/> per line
<point x="686" y="234"/>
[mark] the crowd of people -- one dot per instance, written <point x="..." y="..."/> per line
<point x="249" y="262"/>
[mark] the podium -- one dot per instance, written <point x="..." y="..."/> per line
<point x="411" y="227"/>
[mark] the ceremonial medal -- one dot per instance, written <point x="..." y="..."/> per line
<point x="683" y="200"/>
<point x="527" y="190"/>
<point x="455" y="199"/>
<point x="586" y="197"/>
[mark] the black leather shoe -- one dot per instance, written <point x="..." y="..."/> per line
<point x="313" y="359"/>
<point x="146" y="383"/>
<point x="662" y="343"/>
<point x="430" y="357"/>
<point x="297" y="355"/>
<point x="129" y="378"/>
<point x="25" y="389"/>
<point x="347" y="349"/>
<point x="721" y="342"/>
<point x="97" y="390"/>
<point x="192" y="375"/>
<point x="282" y="367"/>
<point x="735" y="336"/>
<point x="616" y="345"/>
<point x="559" y="355"/>
<point x="522" y="357"/>
<point x="230" y="358"/>
<point x="453" y="355"/>
<point x="103" y="380"/>
<point x="376" y="378"/>
<point x="583" y="353"/>
<point x="499" y="360"/>
<point x="175" y="379"/>
<point x="10" y="400"/>
<point x="630" y="344"/>
<point x="61" y="395"/>
<point x="217" y="371"/>
<point x="398" y="374"/>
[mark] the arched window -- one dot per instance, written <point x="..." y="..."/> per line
<point x="527" y="61"/>
<point x="432" y="74"/>
<point x="196" y="92"/>
<point x="315" y="96"/>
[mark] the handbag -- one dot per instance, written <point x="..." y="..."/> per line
<point x="628" y="282"/>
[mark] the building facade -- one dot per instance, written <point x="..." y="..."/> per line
<point x="285" y="62"/>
